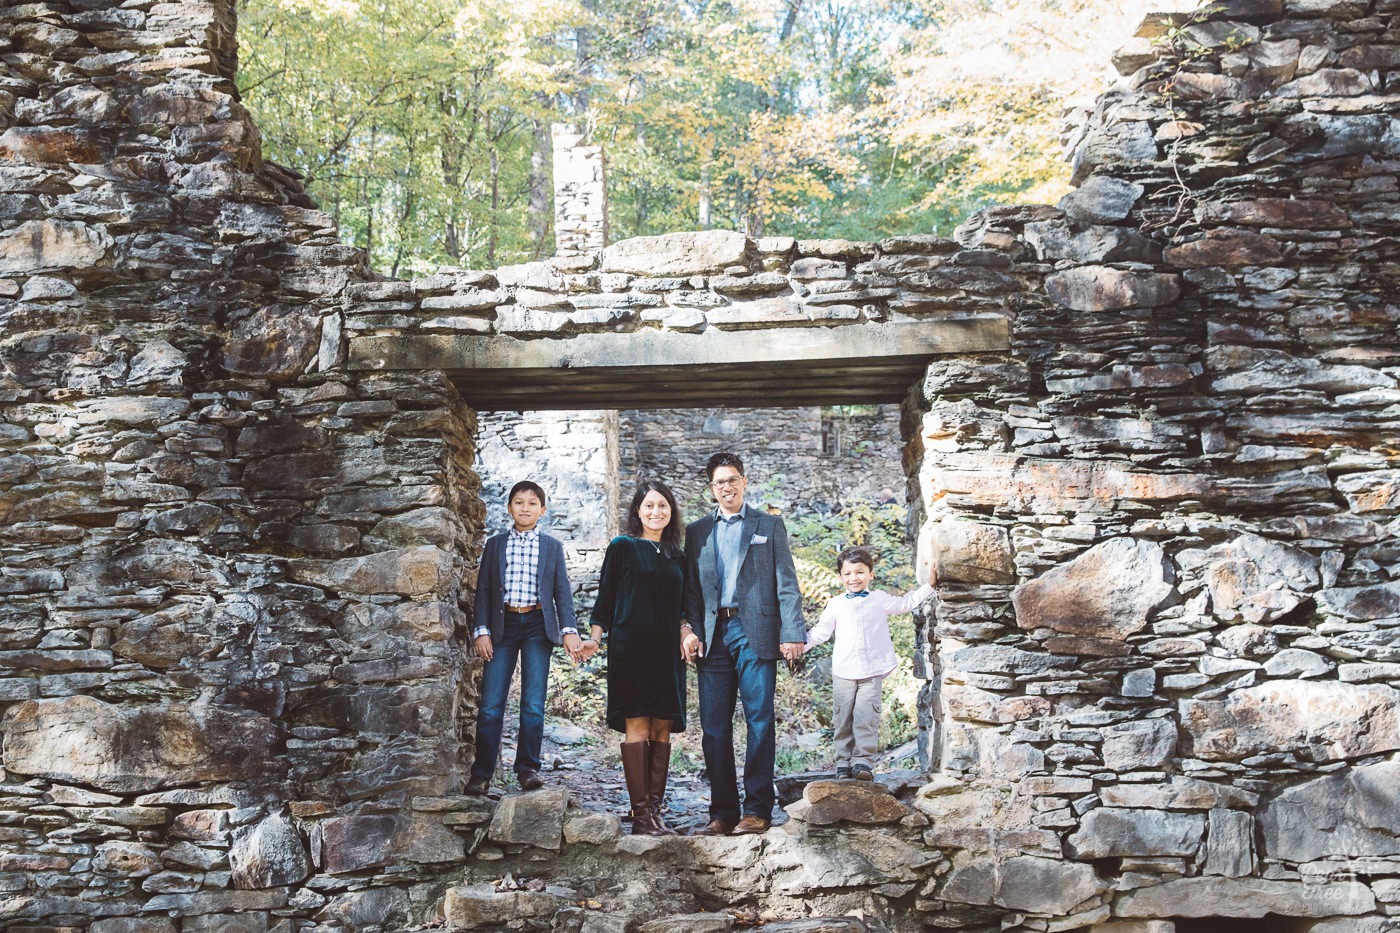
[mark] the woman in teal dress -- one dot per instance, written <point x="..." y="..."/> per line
<point x="639" y="611"/>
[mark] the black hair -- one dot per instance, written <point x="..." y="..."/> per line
<point x="723" y="458"/>
<point x="526" y="485"/>
<point x="670" y="535"/>
<point x="855" y="555"/>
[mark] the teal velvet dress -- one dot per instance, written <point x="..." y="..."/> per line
<point x="639" y="606"/>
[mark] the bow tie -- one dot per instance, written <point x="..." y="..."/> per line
<point x="858" y="595"/>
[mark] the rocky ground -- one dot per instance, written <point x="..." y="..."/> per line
<point x="583" y="758"/>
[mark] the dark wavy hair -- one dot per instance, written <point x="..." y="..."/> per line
<point x="855" y="555"/>
<point x="723" y="458"/>
<point x="670" y="535"/>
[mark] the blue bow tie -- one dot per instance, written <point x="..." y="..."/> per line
<point x="858" y="595"/>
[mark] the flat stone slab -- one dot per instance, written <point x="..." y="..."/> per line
<point x="872" y="362"/>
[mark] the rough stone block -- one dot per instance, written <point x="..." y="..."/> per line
<point x="1029" y="883"/>
<point x="1377" y="491"/>
<point x="475" y="906"/>
<point x="1322" y="721"/>
<point x="1354" y="814"/>
<point x="592" y="828"/>
<point x="52" y="246"/>
<point x="706" y="251"/>
<point x="419" y="571"/>
<point x="1101" y="199"/>
<point x="1142" y="745"/>
<point x="1102" y="288"/>
<point x="1225" y="247"/>
<point x="354" y="843"/>
<point x="833" y="802"/>
<point x="1112" y="831"/>
<point x="83" y="740"/>
<point x="1107" y="592"/>
<point x="275" y="343"/>
<point x="1229" y="844"/>
<point x="535" y="819"/>
<point x="1253" y="579"/>
<point x="970" y="552"/>
<point x="268" y="854"/>
<point x="1244" y="898"/>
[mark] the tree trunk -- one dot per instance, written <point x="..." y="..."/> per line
<point x="790" y="20"/>
<point x="495" y="207"/>
<point x="704" y="207"/>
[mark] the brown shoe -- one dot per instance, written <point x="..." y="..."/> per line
<point x="715" y="828"/>
<point x="752" y="825"/>
<point x="531" y="780"/>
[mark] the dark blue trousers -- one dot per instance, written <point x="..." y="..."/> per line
<point x="524" y="638"/>
<point x="733" y="670"/>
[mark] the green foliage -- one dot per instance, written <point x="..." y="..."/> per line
<point x="817" y="539"/>
<point x="422" y="126"/>
<point x="579" y="692"/>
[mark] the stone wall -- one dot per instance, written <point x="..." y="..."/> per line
<point x="574" y="457"/>
<point x="807" y="459"/>
<point x="232" y="576"/>
<point x="1168" y="519"/>
<point x="580" y="193"/>
<point x="235" y="568"/>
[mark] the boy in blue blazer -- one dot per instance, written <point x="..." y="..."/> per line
<point x="524" y="607"/>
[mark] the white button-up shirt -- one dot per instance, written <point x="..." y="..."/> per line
<point x="861" y="625"/>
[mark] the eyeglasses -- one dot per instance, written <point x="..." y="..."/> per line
<point x="731" y="481"/>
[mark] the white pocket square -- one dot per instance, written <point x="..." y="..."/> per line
<point x="758" y="539"/>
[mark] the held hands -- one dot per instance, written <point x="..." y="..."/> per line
<point x="793" y="650"/>
<point x="484" y="647"/>
<point x="589" y="647"/>
<point x="691" y="646"/>
<point x="572" y="646"/>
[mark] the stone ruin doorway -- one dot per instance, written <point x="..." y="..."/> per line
<point x="785" y="351"/>
<point x="826" y="469"/>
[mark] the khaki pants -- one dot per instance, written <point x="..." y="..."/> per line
<point x="856" y="720"/>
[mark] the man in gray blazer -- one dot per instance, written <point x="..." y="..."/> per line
<point x="743" y="611"/>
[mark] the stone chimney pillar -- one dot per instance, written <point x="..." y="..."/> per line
<point x="580" y="204"/>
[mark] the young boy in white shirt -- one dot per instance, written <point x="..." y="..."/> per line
<point x="861" y="658"/>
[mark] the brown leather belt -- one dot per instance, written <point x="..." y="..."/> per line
<point x="725" y="614"/>
<point x="521" y="610"/>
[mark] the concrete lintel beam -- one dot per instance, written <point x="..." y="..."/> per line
<point x="454" y="353"/>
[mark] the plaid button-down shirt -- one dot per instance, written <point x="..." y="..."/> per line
<point x="521" y="584"/>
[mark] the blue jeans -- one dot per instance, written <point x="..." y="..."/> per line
<point x="732" y="668"/>
<point x="524" y="637"/>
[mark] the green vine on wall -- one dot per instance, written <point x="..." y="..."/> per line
<point x="1181" y="50"/>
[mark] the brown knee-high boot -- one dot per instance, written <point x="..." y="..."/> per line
<point x="635" y="771"/>
<point x="659" y="765"/>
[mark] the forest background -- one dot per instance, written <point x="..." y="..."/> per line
<point x="422" y="126"/>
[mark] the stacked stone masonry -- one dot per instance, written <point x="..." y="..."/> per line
<point x="234" y="673"/>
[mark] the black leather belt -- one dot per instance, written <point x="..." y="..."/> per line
<point x="725" y="614"/>
<point x="521" y="610"/>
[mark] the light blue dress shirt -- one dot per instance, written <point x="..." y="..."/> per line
<point x="729" y="542"/>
